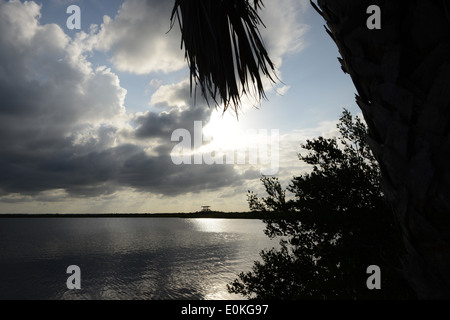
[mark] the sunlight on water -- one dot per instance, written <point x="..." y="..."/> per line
<point x="208" y="225"/>
<point x="237" y="226"/>
<point x="127" y="258"/>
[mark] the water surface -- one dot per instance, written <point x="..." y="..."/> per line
<point x="127" y="258"/>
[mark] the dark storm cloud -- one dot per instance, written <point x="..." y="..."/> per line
<point x="63" y="125"/>
<point x="104" y="172"/>
<point x="158" y="175"/>
<point x="161" y="125"/>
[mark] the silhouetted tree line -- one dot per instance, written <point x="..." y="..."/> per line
<point x="337" y="225"/>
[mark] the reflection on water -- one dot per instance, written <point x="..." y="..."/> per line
<point x="126" y="258"/>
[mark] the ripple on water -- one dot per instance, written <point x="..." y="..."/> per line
<point x="127" y="258"/>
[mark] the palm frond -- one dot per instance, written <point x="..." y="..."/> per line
<point x="224" y="48"/>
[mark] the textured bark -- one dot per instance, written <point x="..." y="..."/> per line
<point x="402" y="76"/>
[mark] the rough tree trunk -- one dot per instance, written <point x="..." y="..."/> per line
<point x="402" y="76"/>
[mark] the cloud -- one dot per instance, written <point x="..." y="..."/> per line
<point x="48" y="92"/>
<point x="180" y="112"/>
<point x="283" y="90"/>
<point x="284" y="34"/>
<point x="139" y="39"/>
<point x="47" y="89"/>
<point x="64" y="126"/>
<point x="157" y="173"/>
<point x="159" y="176"/>
<point x="140" y="43"/>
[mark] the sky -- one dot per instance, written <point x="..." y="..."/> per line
<point x="101" y="119"/>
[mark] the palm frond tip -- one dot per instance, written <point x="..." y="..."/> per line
<point x="224" y="48"/>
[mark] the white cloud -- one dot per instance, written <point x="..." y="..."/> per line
<point x="283" y="90"/>
<point x="139" y="40"/>
<point x="175" y="94"/>
<point x="58" y="84"/>
<point x="23" y="17"/>
<point x="156" y="83"/>
<point x="284" y="34"/>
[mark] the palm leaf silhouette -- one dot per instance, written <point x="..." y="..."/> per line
<point x="224" y="48"/>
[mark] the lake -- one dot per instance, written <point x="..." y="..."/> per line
<point x="127" y="258"/>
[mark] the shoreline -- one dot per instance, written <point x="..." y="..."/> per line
<point x="210" y="215"/>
